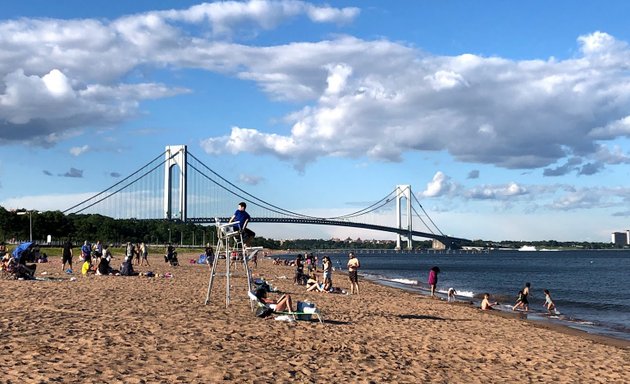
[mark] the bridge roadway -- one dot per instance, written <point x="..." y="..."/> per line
<point x="450" y="242"/>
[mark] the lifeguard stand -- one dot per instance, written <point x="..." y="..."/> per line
<point x="230" y="243"/>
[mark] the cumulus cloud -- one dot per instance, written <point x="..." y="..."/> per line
<point x="60" y="76"/>
<point x="389" y="99"/>
<point x="77" y="151"/>
<point x="440" y="185"/>
<point x="495" y="192"/>
<point x="351" y="97"/>
<point x="73" y="172"/>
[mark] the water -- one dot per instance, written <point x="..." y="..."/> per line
<point x="588" y="287"/>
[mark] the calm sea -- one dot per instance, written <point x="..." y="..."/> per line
<point x="589" y="288"/>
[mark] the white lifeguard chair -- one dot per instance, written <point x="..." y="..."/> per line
<point x="230" y="243"/>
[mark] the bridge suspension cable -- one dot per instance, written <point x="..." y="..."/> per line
<point x="372" y="208"/>
<point x="252" y="199"/>
<point x="94" y="199"/>
<point x="427" y="215"/>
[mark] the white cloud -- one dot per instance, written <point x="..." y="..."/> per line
<point x="354" y="98"/>
<point x="497" y="192"/>
<point x="439" y="186"/>
<point x="526" y="114"/>
<point x="77" y="151"/>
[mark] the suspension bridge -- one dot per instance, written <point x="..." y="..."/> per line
<point x="176" y="185"/>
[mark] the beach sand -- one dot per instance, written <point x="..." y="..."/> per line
<point x="158" y="330"/>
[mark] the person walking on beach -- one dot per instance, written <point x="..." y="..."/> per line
<point x="549" y="302"/>
<point x="353" y="267"/>
<point x="66" y="257"/>
<point x="433" y="279"/>
<point x="522" y="300"/>
<point x="241" y="219"/>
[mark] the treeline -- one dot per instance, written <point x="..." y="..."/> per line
<point x="549" y="244"/>
<point x="15" y="227"/>
<point x="79" y="227"/>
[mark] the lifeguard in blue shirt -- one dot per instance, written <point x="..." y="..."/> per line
<point x="241" y="219"/>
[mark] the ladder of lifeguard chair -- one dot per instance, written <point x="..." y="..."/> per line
<point x="224" y="242"/>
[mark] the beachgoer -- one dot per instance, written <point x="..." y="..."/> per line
<point x="241" y="218"/>
<point x="299" y="270"/>
<point x="549" y="304"/>
<point x="522" y="299"/>
<point x="433" y="279"/>
<point x="129" y="251"/>
<point x="209" y="252"/>
<point x="486" y="305"/>
<point x="144" y="250"/>
<point x="313" y="284"/>
<point x="283" y="303"/>
<point x="327" y="265"/>
<point x="66" y="257"/>
<point x="3" y="248"/>
<point x="137" y="252"/>
<point x="86" y="252"/>
<point x="353" y="267"/>
<point x="451" y="294"/>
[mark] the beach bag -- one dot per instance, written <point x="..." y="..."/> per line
<point x="263" y="311"/>
<point x="306" y="308"/>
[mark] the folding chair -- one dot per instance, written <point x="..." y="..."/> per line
<point x="295" y="315"/>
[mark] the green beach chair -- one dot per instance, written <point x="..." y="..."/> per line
<point x="305" y="315"/>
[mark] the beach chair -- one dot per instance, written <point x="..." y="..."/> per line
<point x="306" y="315"/>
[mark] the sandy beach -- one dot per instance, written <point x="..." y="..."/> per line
<point x="157" y="330"/>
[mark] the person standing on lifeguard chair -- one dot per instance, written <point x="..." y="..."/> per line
<point x="241" y="217"/>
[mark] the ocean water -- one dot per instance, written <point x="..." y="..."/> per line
<point x="589" y="288"/>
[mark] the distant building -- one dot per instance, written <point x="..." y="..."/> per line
<point x="436" y="244"/>
<point x="621" y="239"/>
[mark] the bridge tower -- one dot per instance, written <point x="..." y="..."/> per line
<point x="175" y="155"/>
<point x="404" y="192"/>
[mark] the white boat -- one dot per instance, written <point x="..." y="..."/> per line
<point x="527" y="248"/>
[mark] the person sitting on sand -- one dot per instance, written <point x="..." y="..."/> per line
<point x="283" y="303"/>
<point x="549" y="302"/>
<point x="486" y="305"/>
<point x="312" y="284"/>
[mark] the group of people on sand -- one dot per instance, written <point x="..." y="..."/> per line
<point x="311" y="280"/>
<point x="96" y="258"/>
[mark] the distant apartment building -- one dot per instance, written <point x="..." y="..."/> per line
<point x="621" y="239"/>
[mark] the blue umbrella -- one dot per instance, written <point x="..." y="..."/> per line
<point x="17" y="252"/>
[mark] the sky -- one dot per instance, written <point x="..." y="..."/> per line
<point x="510" y="120"/>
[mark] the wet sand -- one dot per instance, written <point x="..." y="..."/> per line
<point x="158" y="330"/>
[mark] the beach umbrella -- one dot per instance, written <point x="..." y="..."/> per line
<point x="20" y="249"/>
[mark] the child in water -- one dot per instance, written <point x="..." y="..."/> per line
<point x="549" y="302"/>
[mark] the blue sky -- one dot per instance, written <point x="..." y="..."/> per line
<point x="510" y="120"/>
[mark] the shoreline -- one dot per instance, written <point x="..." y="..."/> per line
<point x="157" y="329"/>
<point x="542" y="322"/>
